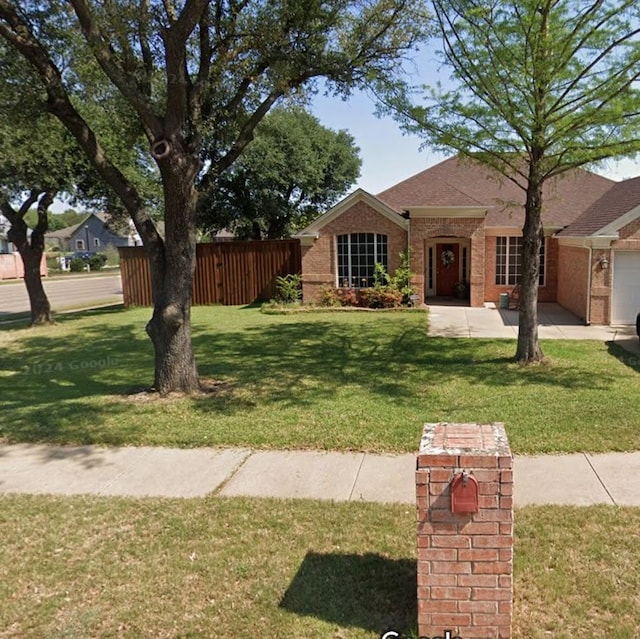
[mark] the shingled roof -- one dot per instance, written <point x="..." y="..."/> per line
<point x="455" y="182"/>
<point x="621" y="198"/>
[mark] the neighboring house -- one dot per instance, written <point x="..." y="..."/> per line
<point x="92" y="235"/>
<point x="463" y="223"/>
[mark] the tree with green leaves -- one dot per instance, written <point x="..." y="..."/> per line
<point x="38" y="160"/>
<point x="199" y="76"/>
<point x="539" y="87"/>
<point x="56" y="221"/>
<point x="293" y="168"/>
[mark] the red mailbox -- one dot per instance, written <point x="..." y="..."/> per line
<point x="464" y="493"/>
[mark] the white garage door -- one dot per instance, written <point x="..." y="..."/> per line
<point x="626" y="287"/>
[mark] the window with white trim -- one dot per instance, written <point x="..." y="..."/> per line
<point x="357" y="255"/>
<point x="96" y="242"/>
<point x="79" y="245"/>
<point x="509" y="261"/>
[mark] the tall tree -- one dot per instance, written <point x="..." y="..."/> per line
<point x="540" y="87"/>
<point x="292" y="169"/>
<point x="38" y="159"/>
<point x="201" y="70"/>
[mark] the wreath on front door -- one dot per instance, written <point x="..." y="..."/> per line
<point x="447" y="258"/>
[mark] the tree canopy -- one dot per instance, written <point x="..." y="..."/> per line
<point x="197" y="77"/>
<point x="293" y="168"/>
<point x="38" y="160"/>
<point x="538" y="87"/>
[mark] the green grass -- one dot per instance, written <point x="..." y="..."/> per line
<point x="346" y="381"/>
<point x="103" y="567"/>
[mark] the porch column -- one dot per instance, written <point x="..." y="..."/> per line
<point x="477" y="270"/>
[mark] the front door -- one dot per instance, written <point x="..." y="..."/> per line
<point x="447" y="264"/>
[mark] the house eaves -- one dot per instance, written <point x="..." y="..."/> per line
<point x="595" y="242"/>
<point x="606" y="234"/>
<point x="359" y="195"/>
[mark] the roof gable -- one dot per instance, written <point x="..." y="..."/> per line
<point x="359" y="195"/>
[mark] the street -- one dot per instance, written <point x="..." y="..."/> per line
<point x="63" y="293"/>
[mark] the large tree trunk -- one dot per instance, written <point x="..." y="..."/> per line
<point x="528" y="349"/>
<point x="38" y="300"/>
<point x="172" y="267"/>
<point x="31" y="251"/>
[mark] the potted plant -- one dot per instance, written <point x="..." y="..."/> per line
<point x="462" y="290"/>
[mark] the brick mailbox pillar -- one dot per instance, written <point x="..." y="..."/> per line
<point x="465" y="559"/>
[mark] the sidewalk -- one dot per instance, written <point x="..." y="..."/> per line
<point x="580" y="479"/>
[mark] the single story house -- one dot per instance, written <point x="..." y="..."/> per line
<point x="92" y="235"/>
<point x="463" y="223"/>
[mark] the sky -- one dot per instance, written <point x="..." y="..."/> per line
<point x="388" y="156"/>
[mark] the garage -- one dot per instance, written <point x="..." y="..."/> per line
<point x="626" y="287"/>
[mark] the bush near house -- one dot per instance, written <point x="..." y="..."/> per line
<point x="289" y="288"/>
<point x="373" y="297"/>
<point x="97" y="261"/>
<point x="383" y="297"/>
<point x="387" y="291"/>
<point x="77" y="265"/>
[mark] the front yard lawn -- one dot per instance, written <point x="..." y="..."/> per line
<point x="343" y="381"/>
<point x="104" y="567"/>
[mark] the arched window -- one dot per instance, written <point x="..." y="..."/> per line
<point x="358" y="254"/>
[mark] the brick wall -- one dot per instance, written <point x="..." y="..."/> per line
<point x="573" y="279"/>
<point x="319" y="264"/>
<point x="423" y="228"/>
<point x="631" y="231"/>
<point x="465" y="561"/>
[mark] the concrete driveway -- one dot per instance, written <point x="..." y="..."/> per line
<point x="554" y="322"/>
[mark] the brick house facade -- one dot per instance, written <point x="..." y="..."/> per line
<point x="462" y="223"/>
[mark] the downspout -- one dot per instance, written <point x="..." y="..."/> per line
<point x="407" y="216"/>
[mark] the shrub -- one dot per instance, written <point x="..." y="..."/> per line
<point x="289" y="288"/>
<point x="97" y="261"/>
<point x="401" y="280"/>
<point x="112" y="254"/>
<point x="381" y="278"/>
<point x="329" y="296"/>
<point x="53" y="265"/>
<point x="380" y="297"/>
<point x="347" y="297"/>
<point x="77" y="265"/>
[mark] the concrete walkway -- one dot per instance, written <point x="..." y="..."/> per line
<point x="579" y="479"/>
<point x="554" y="322"/>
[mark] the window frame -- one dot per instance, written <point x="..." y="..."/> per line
<point x="508" y="264"/>
<point x="351" y="263"/>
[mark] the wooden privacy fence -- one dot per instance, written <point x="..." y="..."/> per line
<point x="226" y="272"/>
